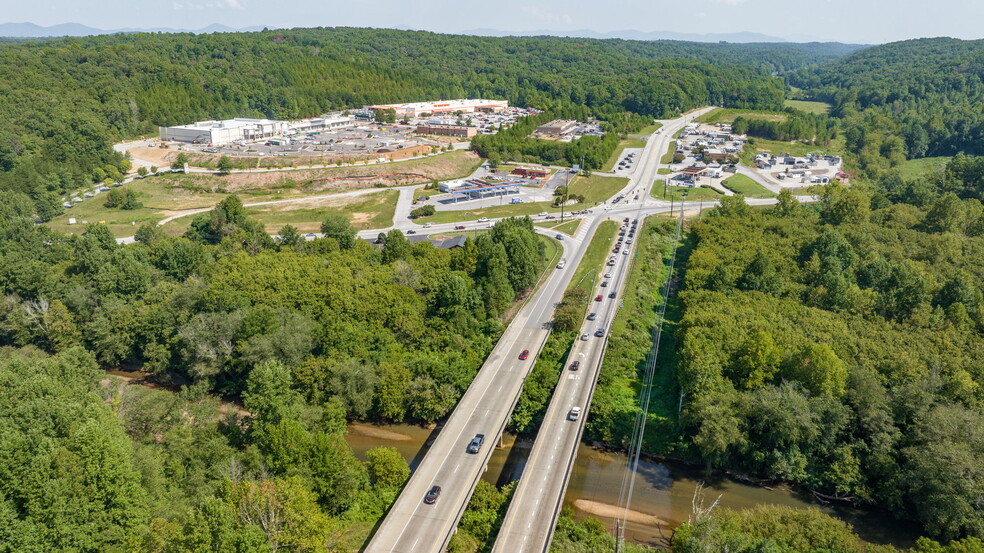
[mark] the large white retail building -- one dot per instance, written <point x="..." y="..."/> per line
<point x="443" y="106"/>
<point x="240" y="129"/>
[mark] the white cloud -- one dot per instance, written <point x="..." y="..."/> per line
<point x="541" y="14"/>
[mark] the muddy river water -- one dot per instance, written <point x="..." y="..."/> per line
<point x="663" y="491"/>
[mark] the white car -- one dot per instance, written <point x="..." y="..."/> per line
<point x="483" y="220"/>
<point x="574" y="414"/>
<point x="542" y="214"/>
<point x="625" y="252"/>
<point x="608" y="275"/>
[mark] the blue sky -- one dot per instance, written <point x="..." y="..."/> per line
<point x="860" y="21"/>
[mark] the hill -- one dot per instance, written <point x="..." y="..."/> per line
<point x="65" y="100"/>
<point x="926" y="92"/>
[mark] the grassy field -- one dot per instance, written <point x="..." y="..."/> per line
<point x="169" y="194"/>
<point x="676" y="192"/>
<point x="819" y="108"/>
<point x="663" y="171"/>
<point x="592" y="264"/>
<point x="568" y="227"/>
<point x="741" y="184"/>
<point x="728" y="115"/>
<point x="627" y="142"/>
<point x="915" y="168"/>
<point x="668" y="156"/>
<point x="364" y="212"/>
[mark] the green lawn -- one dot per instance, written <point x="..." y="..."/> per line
<point x="567" y="227"/>
<point x="664" y="171"/>
<point x="627" y="142"/>
<point x="914" y="168"/>
<point x="676" y="192"/>
<point x="819" y="108"/>
<point x="594" y="258"/>
<point x="728" y="115"/>
<point x="741" y="184"/>
<point x="551" y="253"/>
<point x="668" y="156"/>
<point x="596" y="189"/>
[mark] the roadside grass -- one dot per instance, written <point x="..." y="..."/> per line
<point x="594" y="188"/>
<point x="676" y="192"/>
<point x="650" y="129"/>
<point x="728" y="115"/>
<point x="915" y="168"/>
<point x="664" y="171"/>
<point x="568" y="227"/>
<point x="818" y="108"/>
<point x="592" y="263"/>
<point x="668" y="156"/>
<point x="627" y="142"/>
<point x="615" y="402"/>
<point x="551" y="253"/>
<point x="742" y="184"/>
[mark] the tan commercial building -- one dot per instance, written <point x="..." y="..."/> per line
<point x="415" y="109"/>
<point x="557" y="126"/>
<point x="448" y="130"/>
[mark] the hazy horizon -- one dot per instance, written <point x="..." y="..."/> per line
<point x="858" y="21"/>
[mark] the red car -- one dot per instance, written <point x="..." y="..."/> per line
<point x="524" y="355"/>
<point x="459" y="227"/>
<point x="598" y="297"/>
<point x="575" y="365"/>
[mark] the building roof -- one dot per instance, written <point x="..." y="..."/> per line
<point x="693" y="170"/>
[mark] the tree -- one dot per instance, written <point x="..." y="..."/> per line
<point x="395" y="247"/>
<point x="337" y="476"/>
<point x="179" y="162"/>
<point x="946" y="215"/>
<point x="142" y="171"/>
<point x="337" y="227"/>
<point x="819" y="370"/>
<point x="354" y="384"/>
<point x="718" y="429"/>
<point x="270" y="396"/>
<point x="787" y="203"/>
<point x="225" y="164"/>
<point x="290" y="238"/>
<point x="386" y="467"/>
<point x="758" y="361"/>
<point x="733" y="206"/>
<point x="760" y="275"/>
<point x="423" y="211"/>
<point x="842" y="204"/>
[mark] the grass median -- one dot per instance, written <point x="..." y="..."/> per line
<point x="742" y="184"/>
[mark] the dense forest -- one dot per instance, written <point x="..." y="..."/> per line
<point x="837" y="348"/>
<point x="906" y="99"/>
<point x="63" y="102"/>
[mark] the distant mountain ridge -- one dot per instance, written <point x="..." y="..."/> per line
<point x="31" y="30"/>
<point x="630" y="34"/>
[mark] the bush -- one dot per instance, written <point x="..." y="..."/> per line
<point x="425" y="211"/>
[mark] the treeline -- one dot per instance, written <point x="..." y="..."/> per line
<point x="908" y="99"/>
<point x="395" y="333"/>
<point x="515" y="144"/>
<point x="963" y="177"/>
<point x="797" y="125"/>
<point x="66" y="100"/>
<point x="837" y="348"/>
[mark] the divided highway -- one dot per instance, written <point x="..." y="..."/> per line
<point x="532" y="514"/>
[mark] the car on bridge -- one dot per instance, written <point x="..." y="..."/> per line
<point x="575" y="365"/>
<point x="523" y="356"/>
<point x="573" y="415"/>
<point x="600" y="333"/>
<point x="584" y="337"/>
<point x="476" y="444"/>
<point x="592" y="316"/>
<point x="432" y="495"/>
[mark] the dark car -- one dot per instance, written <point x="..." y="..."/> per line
<point x="459" y="227"/>
<point x="411" y="231"/>
<point x="575" y="365"/>
<point x="432" y="495"/>
<point x="604" y="284"/>
<point x="598" y="298"/>
<point x="612" y="295"/>
<point x="524" y="355"/>
<point x="592" y="316"/>
<point x="600" y="332"/>
<point x="476" y="443"/>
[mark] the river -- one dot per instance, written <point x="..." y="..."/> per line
<point x="663" y="490"/>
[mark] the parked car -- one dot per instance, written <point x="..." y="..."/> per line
<point x="433" y="494"/>
<point x="523" y="356"/>
<point x="476" y="444"/>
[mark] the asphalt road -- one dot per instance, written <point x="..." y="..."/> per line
<point x="536" y="503"/>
